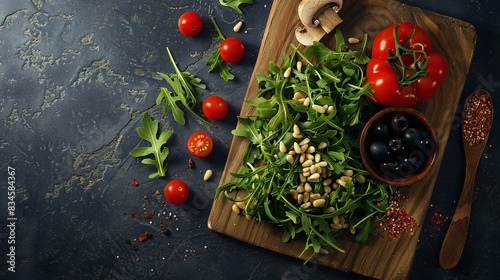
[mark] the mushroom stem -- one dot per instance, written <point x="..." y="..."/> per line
<point x="329" y="19"/>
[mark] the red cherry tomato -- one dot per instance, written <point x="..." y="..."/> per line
<point x="214" y="108"/>
<point x="231" y="49"/>
<point x="190" y="23"/>
<point x="200" y="144"/>
<point x="176" y="192"/>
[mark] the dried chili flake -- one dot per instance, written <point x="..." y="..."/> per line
<point x="149" y="215"/>
<point x="144" y="236"/>
<point x="478" y="115"/>
<point x="157" y="192"/>
<point x="397" y="221"/>
<point x="134" y="182"/>
<point x="190" y="163"/>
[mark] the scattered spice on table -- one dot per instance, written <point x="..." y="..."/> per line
<point x="397" y="220"/>
<point x="144" y="236"/>
<point x="478" y="115"/>
<point x="134" y="182"/>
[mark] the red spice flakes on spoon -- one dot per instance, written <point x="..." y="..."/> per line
<point x="478" y="115"/>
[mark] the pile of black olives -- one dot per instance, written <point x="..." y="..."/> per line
<point x="400" y="145"/>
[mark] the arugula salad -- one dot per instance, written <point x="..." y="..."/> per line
<point x="302" y="169"/>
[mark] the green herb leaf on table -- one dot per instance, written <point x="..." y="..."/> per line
<point x="185" y="91"/>
<point x="158" y="149"/>
<point x="215" y="60"/>
<point x="235" y="4"/>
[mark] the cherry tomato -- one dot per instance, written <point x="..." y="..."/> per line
<point x="231" y="49"/>
<point x="190" y="23"/>
<point x="200" y="144"/>
<point x="412" y="48"/>
<point x="176" y="192"/>
<point x="214" y="108"/>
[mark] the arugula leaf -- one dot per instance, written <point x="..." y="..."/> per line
<point x="185" y="90"/>
<point x="149" y="132"/>
<point x="234" y="4"/>
<point x="215" y="60"/>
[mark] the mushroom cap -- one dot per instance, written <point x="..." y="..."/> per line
<point x="310" y="9"/>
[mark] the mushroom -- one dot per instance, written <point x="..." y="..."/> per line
<point x="319" y="17"/>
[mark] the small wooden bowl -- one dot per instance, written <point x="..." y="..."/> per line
<point x="368" y="137"/>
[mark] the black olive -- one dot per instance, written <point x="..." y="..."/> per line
<point x="378" y="151"/>
<point x="400" y="121"/>
<point x="395" y="145"/>
<point x="416" y="158"/>
<point x="405" y="168"/>
<point x="388" y="166"/>
<point x="412" y="137"/>
<point x="381" y="130"/>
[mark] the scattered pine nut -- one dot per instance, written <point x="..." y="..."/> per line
<point x="236" y="209"/>
<point x="353" y="40"/>
<point x="299" y="66"/>
<point x="319" y="202"/>
<point x="318" y="108"/>
<point x="238" y="26"/>
<point x="282" y="147"/>
<point x="208" y="174"/>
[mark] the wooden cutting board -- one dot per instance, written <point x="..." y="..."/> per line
<point x="380" y="257"/>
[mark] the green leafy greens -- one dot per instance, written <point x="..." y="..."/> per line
<point x="158" y="149"/>
<point x="215" y="60"/>
<point x="235" y="4"/>
<point x="318" y="103"/>
<point x="185" y="90"/>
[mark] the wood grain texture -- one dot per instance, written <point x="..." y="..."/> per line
<point x="380" y="257"/>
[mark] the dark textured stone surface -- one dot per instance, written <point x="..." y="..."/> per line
<point x="75" y="77"/>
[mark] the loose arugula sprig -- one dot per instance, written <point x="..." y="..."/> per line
<point x="184" y="85"/>
<point x="336" y="79"/>
<point x="158" y="149"/>
<point x="235" y="4"/>
<point x="215" y="59"/>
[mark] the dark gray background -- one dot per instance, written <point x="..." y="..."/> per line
<point x="75" y="77"/>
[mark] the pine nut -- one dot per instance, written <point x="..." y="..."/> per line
<point x="336" y="220"/>
<point x="322" y="145"/>
<point x="297" y="148"/>
<point x="318" y="108"/>
<point x="323" y="163"/>
<point x="340" y="182"/>
<point x="208" y="175"/>
<point x="330" y="109"/>
<point x="307" y="163"/>
<point x="335" y="186"/>
<point x="297" y="135"/>
<point x="236" y="209"/>
<point x="327" y="189"/>
<point x="311" y="149"/>
<point x="298" y="95"/>
<point x="317" y="157"/>
<point x="302" y="158"/>
<point x="305" y="205"/>
<point x="346" y="225"/>
<point x="240" y="204"/>
<point x="248" y="217"/>
<point x="289" y="158"/>
<point x="323" y="251"/>
<point x="336" y="226"/>
<point x="319" y="202"/>
<point x="329" y="210"/>
<point x="304" y="141"/>
<point x="314" y="169"/>
<point x="288" y="72"/>
<point x="307" y="187"/>
<point x="314" y="176"/>
<point x="282" y="147"/>
<point x="237" y="27"/>
<point x="310" y="156"/>
<point x="315" y="196"/>
<point x="296" y="129"/>
<point x="353" y="40"/>
<point x="299" y="66"/>
<point x="307" y="173"/>
<point x="307" y="101"/>
<point x="300" y="189"/>
<point x="294" y="194"/>
<point x="300" y="198"/>
<point x="361" y="179"/>
<point x="306" y="197"/>
<point x="302" y="178"/>
<point x="348" y="172"/>
<point x="304" y="148"/>
<point x="346" y="178"/>
<point x="327" y="182"/>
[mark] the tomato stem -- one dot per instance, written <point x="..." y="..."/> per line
<point x="407" y="74"/>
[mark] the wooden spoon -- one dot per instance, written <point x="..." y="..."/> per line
<point x="454" y="241"/>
